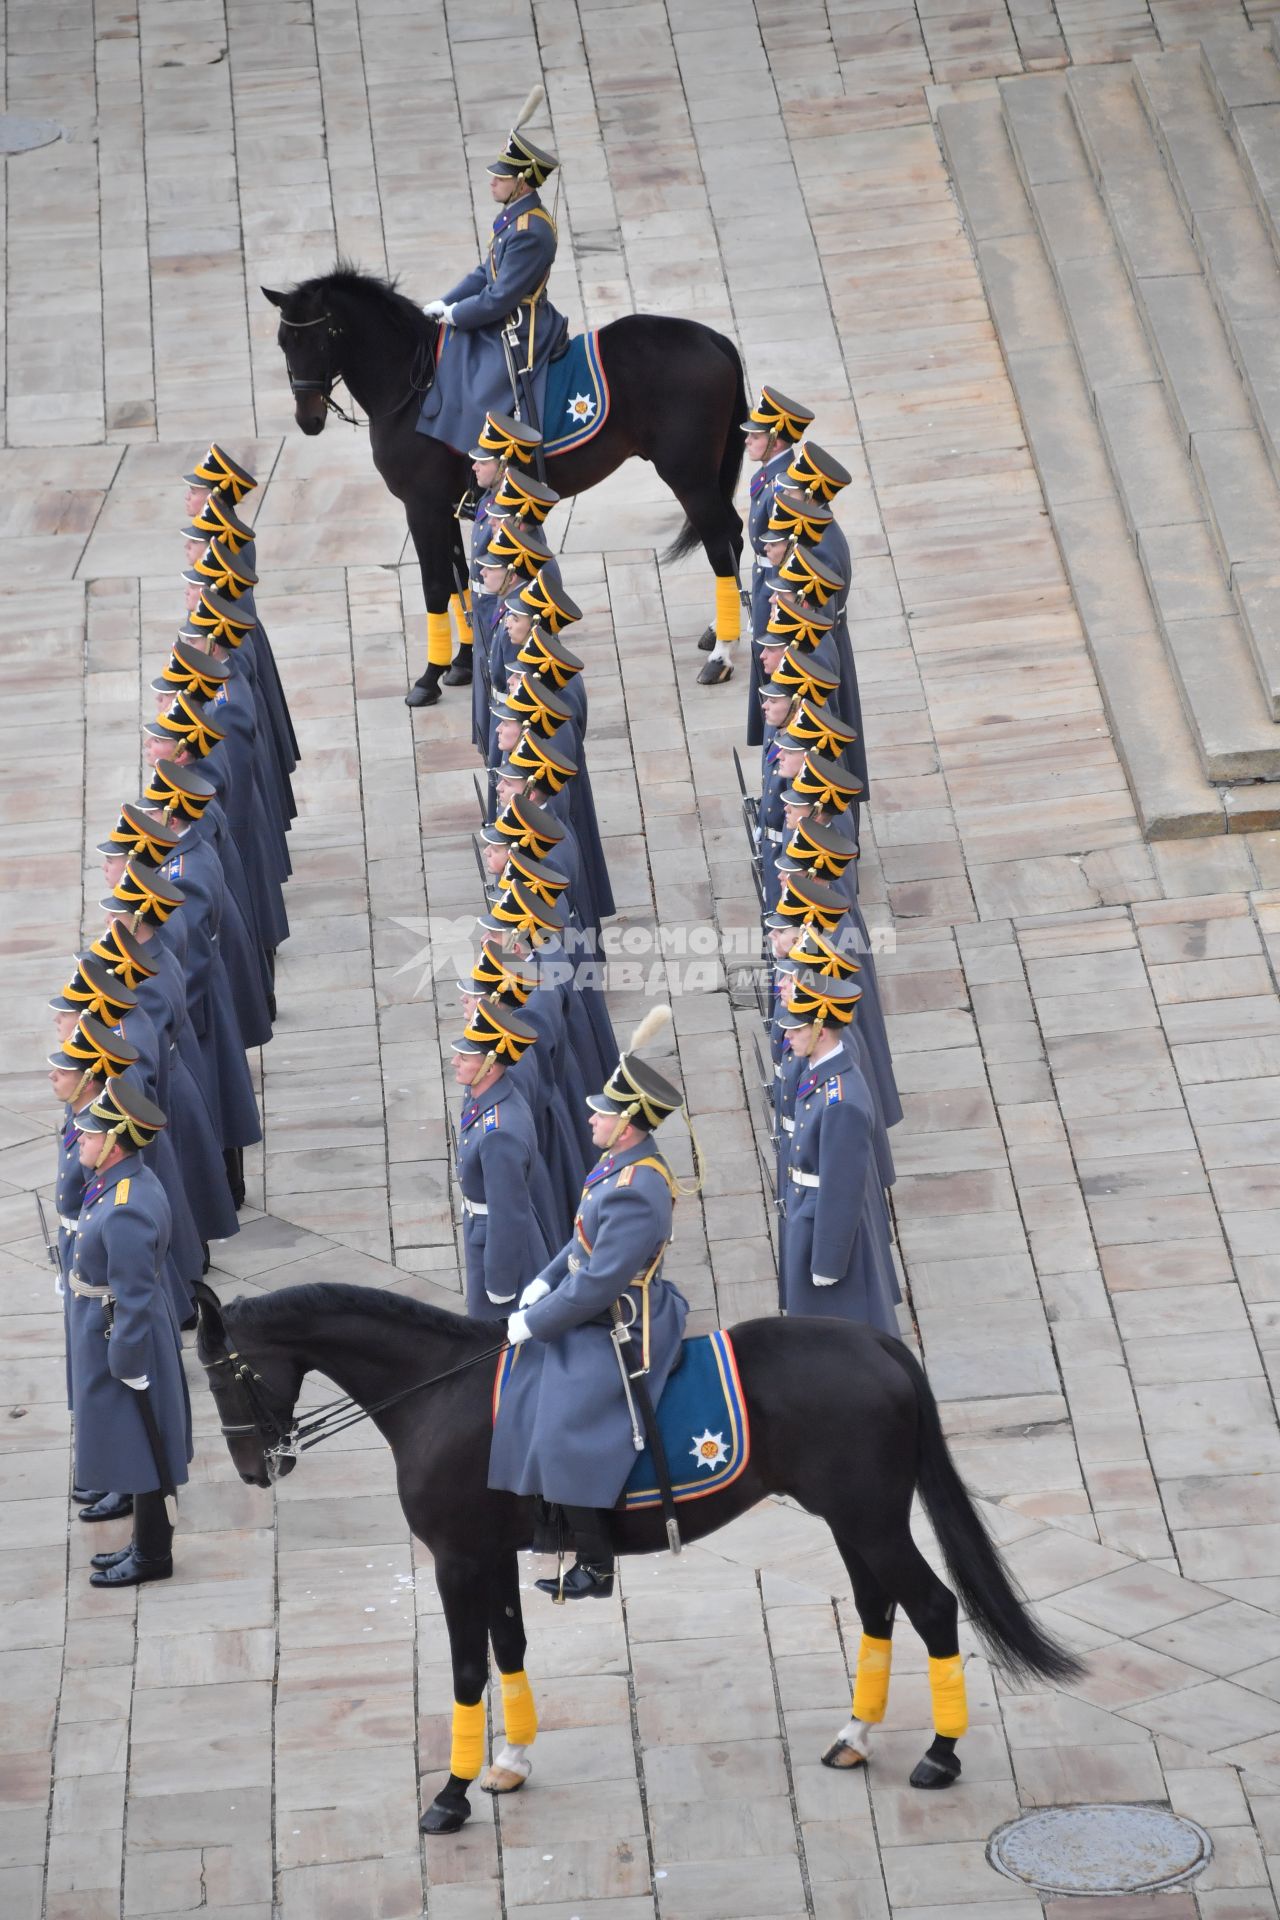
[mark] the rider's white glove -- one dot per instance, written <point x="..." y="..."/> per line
<point x="139" y="1385"/>
<point x="535" y="1291"/>
<point x="446" y="314"/>
<point x="517" y="1330"/>
<point x="434" y="309"/>
<point x="825" y="1280"/>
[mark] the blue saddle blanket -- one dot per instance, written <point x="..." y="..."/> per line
<point x="703" y="1419"/>
<point x="576" y="402"/>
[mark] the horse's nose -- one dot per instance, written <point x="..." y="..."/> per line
<point x="309" y="418"/>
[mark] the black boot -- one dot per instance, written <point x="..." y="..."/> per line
<point x="425" y="692"/>
<point x="591" y="1575"/>
<point x="233" y="1161"/>
<point x="87" y="1496"/>
<point x="109" y="1506"/>
<point x="459" y="674"/>
<point x="150" y="1557"/>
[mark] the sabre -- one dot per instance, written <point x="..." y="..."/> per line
<point x="49" y="1247"/>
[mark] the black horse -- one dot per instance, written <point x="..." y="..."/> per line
<point x="678" y="400"/>
<point x="842" y="1419"/>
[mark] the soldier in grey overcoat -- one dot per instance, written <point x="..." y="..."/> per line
<point x="772" y="428"/>
<point x="836" y="1256"/>
<point x="505" y="292"/>
<point x="497" y="1161"/>
<point x="564" y="1430"/>
<point x="133" y="1416"/>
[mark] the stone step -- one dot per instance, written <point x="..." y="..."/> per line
<point x="1229" y="235"/>
<point x="1192" y="355"/>
<point x="1149" y="724"/>
<point x="1243" y="76"/>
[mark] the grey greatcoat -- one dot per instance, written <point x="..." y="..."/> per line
<point x="836" y="1224"/>
<point x="563" y="1430"/>
<point x="122" y="1237"/>
<point x="761" y="507"/>
<point x="471" y="366"/>
<point x="497" y="1159"/>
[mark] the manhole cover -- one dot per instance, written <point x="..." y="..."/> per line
<point x="1100" y="1849"/>
<point x="19" y="135"/>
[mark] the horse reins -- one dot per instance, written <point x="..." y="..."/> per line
<point x="335" y="1416"/>
<point x="417" y="385"/>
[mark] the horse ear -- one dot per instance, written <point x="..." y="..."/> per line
<point x="276" y="299"/>
<point x="211" y="1332"/>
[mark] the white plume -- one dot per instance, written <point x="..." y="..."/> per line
<point x="536" y="97"/>
<point x="653" y="1023"/>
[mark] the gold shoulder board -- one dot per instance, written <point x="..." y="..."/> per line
<point x="122" y="1192"/>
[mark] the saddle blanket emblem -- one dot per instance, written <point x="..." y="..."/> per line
<point x="576" y="405"/>
<point x="703" y="1417"/>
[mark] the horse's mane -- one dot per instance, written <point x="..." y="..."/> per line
<point x="295" y="1310"/>
<point x="347" y="278"/>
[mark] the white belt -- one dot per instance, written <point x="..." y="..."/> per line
<point x="70" y="1225"/>
<point x="776" y="835"/>
<point x="788" y="1126"/>
<point x="84" y="1290"/>
<point x="474" y="1206"/>
<point x="804" y="1179"/>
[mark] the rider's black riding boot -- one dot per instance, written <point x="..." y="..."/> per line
<point x="591" y="1575"/>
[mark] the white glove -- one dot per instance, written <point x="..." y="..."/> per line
<point x="535" y="1291"/>
<point x="139" y="1385"/>
<point x="446" y="314"/>
<point x="825" y="1280"/>
<point x="434" y="309"/>
<point x="517" y="1330"/>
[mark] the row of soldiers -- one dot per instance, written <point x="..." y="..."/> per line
<point x="531" y="1044"/>
<point x="831" y="1095"/>
<point x="537" y="1037"/>
<point x="155" y="1024"/>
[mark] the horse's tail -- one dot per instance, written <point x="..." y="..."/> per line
<point x="688" y="540"/>
<point x="973" y="1561"/>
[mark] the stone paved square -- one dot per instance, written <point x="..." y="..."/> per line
<point x="1021" y="260"/>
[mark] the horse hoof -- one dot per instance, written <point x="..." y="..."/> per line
<point x="842" y="1756"/>
<point x="459" y="674"/>
<point x="445" y="1816"/>
<point x="423" y="693"/>
<point x="500" y="1780"/>
<point x="931" y="1773"/>
<point x="706" y="639"/>
<point x="715" y="673"/>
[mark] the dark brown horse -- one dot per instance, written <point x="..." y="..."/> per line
<point x="678" y="400"/>
<point x="842" y="1420"/>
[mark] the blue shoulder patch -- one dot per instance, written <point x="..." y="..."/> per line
<point x="173" y="871"/>
<point x="833" y="1091"/>
<point x="490" y="1119"/>
<point x="220" y="697"/>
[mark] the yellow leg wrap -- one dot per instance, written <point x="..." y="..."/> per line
<point x="871" y="1682"/>
<point x="946" y="1689"/>
<point x="519" y="1715"/>
<point x="466" y="1755"/>
<point x="461" y="614"/>
<point x="728" y="609"/>
<point x="439" y="640"/>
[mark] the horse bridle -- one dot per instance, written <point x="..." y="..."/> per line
<point x="419" y="374"/>
<point x="282" y="1439"/>
<point x="323" y="387"/>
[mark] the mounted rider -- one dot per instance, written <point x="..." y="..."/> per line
<point x="593" y="1320"/>
<point x="500" y="331"/>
